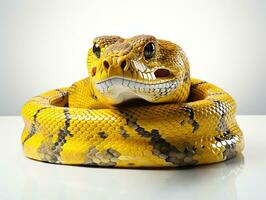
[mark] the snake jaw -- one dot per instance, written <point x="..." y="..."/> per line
<point x="121" y="89"/>
<point x="138" y="81"/>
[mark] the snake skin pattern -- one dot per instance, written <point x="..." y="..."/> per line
<point x="138" y="108"/>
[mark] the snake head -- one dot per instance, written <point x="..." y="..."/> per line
<point x="141" y="67"/>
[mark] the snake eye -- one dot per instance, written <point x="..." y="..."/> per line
<point x="149" y="50"/>
<point x="96" y="50"/>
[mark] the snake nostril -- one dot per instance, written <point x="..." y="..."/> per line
<point x="123" y="64"/>
<point x="93" y="71"/>
<point x="106" y="64"/>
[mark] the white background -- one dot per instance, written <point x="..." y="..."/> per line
<point x="43" y="44"/>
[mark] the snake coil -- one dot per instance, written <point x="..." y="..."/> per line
<point x="137" y="108"/>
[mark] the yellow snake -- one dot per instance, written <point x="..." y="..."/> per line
<point x="137" y="108"/>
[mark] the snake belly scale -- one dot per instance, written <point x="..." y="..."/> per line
<point x="137" y="108"/>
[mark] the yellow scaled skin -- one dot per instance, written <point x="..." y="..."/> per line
<point x="127" y="114"/>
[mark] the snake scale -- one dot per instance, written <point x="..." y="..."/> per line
<point x="137" y="108"/>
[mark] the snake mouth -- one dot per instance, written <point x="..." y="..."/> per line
<point x="121" y="89"/>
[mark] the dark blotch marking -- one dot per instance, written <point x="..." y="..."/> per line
<point x="222" y="109"/>
<point x="228" y="140"/>
<point x="191" y="120"/>
<point x="123" y="132"/>
<point x="64" y="132"/>
<point x="186" y="77"/>
<point x="51" y="152"/>
<point x="226" y="137"/>
<point x="161" y="147"/>
<point x="102" y="134"/>
<point x="107" y="157"/>
<point x="34" y="125"/>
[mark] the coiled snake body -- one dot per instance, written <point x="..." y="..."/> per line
<point x="138" y="108"/>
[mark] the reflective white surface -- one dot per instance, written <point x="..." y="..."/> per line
<point x="240" y="178"/>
